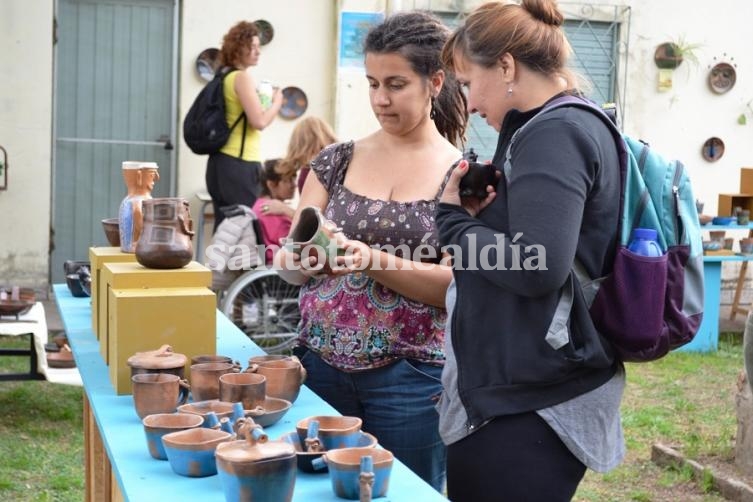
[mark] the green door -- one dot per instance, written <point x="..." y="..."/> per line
<point x="114" y="101"/>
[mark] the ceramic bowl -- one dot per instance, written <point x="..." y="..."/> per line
<point x="112" y="231"/>
<point x="274" y="410"/>
<point x="191" y="452"/>
<point x="26" y="299"/>
<point x="305" y="458"/>
<point x="159" y="424"/>
<point x="334" y="431"/>
<point x="345" y="468"/>
<point x="705" y="219"/>
<point x="73" y="281"/>
<point x="219" y="408"/>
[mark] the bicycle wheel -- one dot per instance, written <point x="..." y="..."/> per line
<point x="265" y="307"/>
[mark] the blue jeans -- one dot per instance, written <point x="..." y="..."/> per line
<point x="396" y="404"/>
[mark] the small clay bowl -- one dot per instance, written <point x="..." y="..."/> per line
<point x="111" y="227"/>
<point x="191" y="452"/>
<point x="159" y="424"/>
<point x="334" y="431"/>
<point x="305" y="458"/>
<point x="220" y="408"/>
<point x="345" y="469"/>
<point x="274" y="410"/>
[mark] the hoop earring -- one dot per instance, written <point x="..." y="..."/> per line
<point x="433" y="111"/>
<point x="509" y="91"/>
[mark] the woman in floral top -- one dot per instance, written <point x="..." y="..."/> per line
<point x="372" y="328"/>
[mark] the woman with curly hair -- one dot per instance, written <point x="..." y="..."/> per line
<point x="232" y="174"/>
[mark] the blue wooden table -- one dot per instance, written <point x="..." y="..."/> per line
<point x="707" y="338"/>
<point x="141" y="478"/>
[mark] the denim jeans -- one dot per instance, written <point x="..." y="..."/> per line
<point x="396" y="404"/>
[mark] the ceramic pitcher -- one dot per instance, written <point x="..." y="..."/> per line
<point x="165" y="241"/>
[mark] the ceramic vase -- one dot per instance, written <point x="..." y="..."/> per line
<point x="139" y="178"/>
<point x="165" y="242"/>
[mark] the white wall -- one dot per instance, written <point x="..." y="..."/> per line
<point x="304" y="53"/>
<point x="301" y="54"/>
<point x="25" y="132"/>
<point x="678" y="122"/>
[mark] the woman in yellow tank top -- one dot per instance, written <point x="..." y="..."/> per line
<point x="232" y="174"/>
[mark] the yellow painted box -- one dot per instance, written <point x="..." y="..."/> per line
<point x="135" y="275"/>
<point x="98" y="256"/>
<point x="145" y="319"/>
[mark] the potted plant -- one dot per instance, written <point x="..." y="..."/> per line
<point x="670" y="55"/>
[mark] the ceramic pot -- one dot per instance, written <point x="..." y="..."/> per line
<point x="246" y="388"/>
<point x="359" y="473"/>
<point x="158" y="393"/>
<point x="284" y="375"/>
<point x="256" y="469"/>
<point x="331" y="431"/>
<point x="205" y="379"/>
<point x="313" y="234"/>
<point x="191" y="452"/>
<point x="162" y="360"/>
<point x="165" y="242"/>
<point x="159" y="424"/>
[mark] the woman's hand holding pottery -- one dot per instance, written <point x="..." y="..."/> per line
<point x="451" y="193"/>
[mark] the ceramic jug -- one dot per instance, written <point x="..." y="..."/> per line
<point x="139" y="178"/>
<point x="165" y="241"/>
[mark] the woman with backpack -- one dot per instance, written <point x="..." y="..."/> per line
<point x="528" y="405"/>
<point x="232" y="175"/>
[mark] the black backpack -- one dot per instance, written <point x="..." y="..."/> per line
<point x="205" y="130"/>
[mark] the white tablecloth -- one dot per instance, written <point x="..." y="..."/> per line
<point x="35" y="322"/>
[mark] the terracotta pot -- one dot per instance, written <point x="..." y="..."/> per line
<point x="162" y="360"/>
<point x="254" y="469"/>
<point x="158" y="393"/>
<point x="205" y="379"/>
<point x="165" y="241"/>
<point x="284" y="376"/>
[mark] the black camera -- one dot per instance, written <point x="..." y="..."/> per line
<point x="478" y="177"/>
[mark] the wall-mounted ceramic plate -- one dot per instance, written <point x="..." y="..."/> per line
<point x="207" y="63"/>
<point x="722" y="77"/>
<point x="294" y="103"/>
<point x="266" y="31"/>
<point x="713" y="149"/>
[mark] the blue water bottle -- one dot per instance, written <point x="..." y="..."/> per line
<point x="644" y="242"/>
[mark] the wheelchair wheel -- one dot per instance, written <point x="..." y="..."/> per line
<point x="265" y="307"/>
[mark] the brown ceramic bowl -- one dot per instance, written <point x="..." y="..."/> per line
<point x="334" y="431"/>
<point x="112" y="231"/>
<point x="274" y="409"/>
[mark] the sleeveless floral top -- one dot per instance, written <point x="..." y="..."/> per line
<point x="353" y="322"/>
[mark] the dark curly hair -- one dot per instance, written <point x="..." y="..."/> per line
<point x="419" y="37"/>
<point x="235" y="41"/>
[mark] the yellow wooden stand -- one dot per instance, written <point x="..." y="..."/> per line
<point x="145" y="319"/>
<point x="134" y="275"/>
<point x="98" y="256"/>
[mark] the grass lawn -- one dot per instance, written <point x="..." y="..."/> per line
<point x="685" y="401"/>
<point x="41" y="436"/>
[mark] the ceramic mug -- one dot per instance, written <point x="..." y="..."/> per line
<point x="205" y="379"/>
<point x="284" y="376"/>
<point x="250" y="389"/>
<point x="158" y="393"/>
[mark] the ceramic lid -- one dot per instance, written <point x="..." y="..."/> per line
<point x="137" y="164"/>
<point x="249" y="451"/>
<point x="160" y="359"/>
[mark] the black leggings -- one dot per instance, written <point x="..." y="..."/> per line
<point x="231" y="180"/>
<point x="512" y="458"/>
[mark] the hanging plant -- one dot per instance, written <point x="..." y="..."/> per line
<point x="670" y="55"/>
